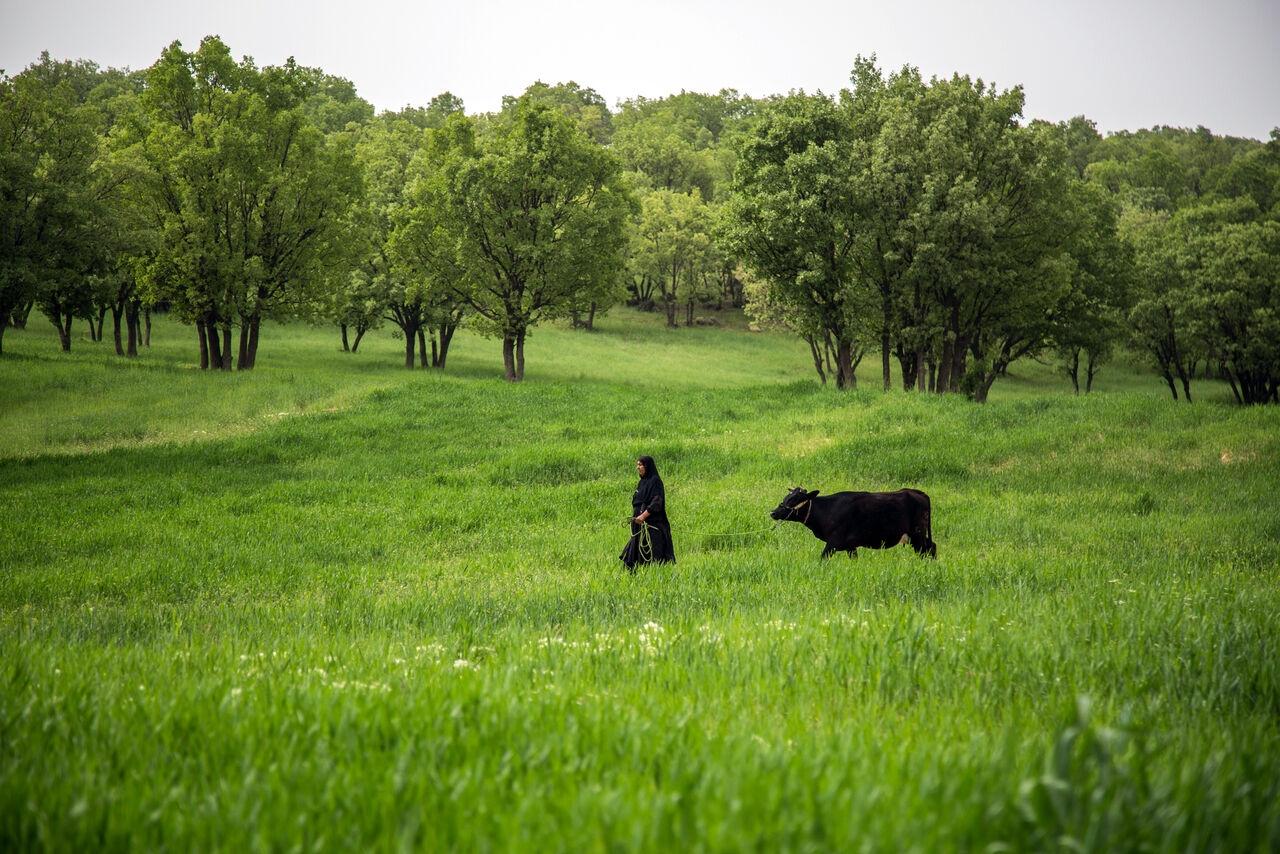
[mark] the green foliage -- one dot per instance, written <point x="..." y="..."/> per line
<point x="1236" y="308"/>
<point x="248" y="192"/>
<point x="535" y="212"/>
<point x="435" y="113"/>
<point x="794" y="216"/>
<point x="683" y="142"/>
<point x="671" y="244"/>
<point x="48" y="208"/>
<point x="581" y="103"/>
<point x="923" y="212"/>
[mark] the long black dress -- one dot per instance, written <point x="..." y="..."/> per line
<point x="652" y="496"/>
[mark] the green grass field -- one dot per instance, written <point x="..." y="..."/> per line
<point x="334" y="604"/>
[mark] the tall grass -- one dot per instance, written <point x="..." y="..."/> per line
<point x="336" y="604"/>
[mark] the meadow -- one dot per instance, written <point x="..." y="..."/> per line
<point x="336" y="605"/>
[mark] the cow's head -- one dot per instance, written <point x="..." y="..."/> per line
<point x="795" y="505"/>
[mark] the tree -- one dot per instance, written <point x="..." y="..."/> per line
<point x="887" y="119"/>
<point x="247" y="193"/>
<point x="581" y="103"/>
<point x="385" y="149"/>
<point x="1159" y="319"/>
<point x="423" y="247"/>
<point x="332" y="103"/>
<point x="358" y="305"/>
<point x="1236" y="272"/>
<point x="1090" y="319"/>
<point x="47" y="205"/>
<point x="672" y="247"/>
<point x="434" y="114"/>
<point x="794" y="217"/>
<point x="674" y="154"/>
<point x="537" y="213"/>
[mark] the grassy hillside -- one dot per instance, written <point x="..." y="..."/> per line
<point x="338" y="604"/>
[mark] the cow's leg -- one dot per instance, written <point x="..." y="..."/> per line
<point x="828" y="551"/>
<point x="853" y="553"/>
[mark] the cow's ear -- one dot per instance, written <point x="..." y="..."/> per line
<point x="813" y="494"/>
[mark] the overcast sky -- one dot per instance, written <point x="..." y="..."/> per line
<point x="1123" y="64"/>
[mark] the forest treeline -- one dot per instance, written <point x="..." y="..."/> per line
<point x="923" y="220"/>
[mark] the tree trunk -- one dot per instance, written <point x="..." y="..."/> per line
<point x="845" y="378"/>
<point x="360" y="331"/>
<point x="242" y="362"/>
<point x="226" y="345"/>
<point x="509" y="357"/>
<point x="446" y="337"/>
<point x="346" y="348"/>
<point x="984" y="386"/>
<point x="117" y="312"/>
<point x="3" y="326"/>
<point x="1168" y="378"/>
<point x="102" y="318"/>
<point x="422" y="347"/>
<point x="146" y="340"/>
<point x="64" y="329"/>
<point x="1186" y="382"/>
<point x="204" y="345"/>
<point x="920" y="379"/>
<point x="1090" y="371"/>
<point x="960" y="367"/>
<point x="1073" y="370"/>
<point x="435" y="348"/>
<point x="410" y="341"/>
<point x="215" y="350"/>
<point x="671" y="312"/>
<point x="1234" y="390"/>
<point x="215" y="354"/>
<point x="688" y="312"/>
<point x="907" y="365"/>
<point x="131" y="321"/>
<point x="255" y="321"/>
<point x="591" y="317"/>
<point x="884" y="351"/>
<point x="817" y="357"/>
<point x="520" y="355"/>
<point x="933" y="376"/>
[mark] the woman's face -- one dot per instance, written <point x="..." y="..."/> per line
<point x="639" y="468"/>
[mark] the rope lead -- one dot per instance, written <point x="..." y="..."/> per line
<point x="645" y="544"/>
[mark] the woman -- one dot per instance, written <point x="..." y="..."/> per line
<point x="650" y="531"/>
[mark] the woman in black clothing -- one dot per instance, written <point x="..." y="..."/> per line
<point x="650" y="531"/>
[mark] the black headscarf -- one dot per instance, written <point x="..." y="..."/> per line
<point x="650" y="467"/>
<point x="650" y="493"/>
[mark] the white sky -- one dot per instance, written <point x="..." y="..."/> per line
<point x="1123" y="64"/>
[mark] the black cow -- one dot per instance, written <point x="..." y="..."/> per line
<point x="848" y="521"/>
